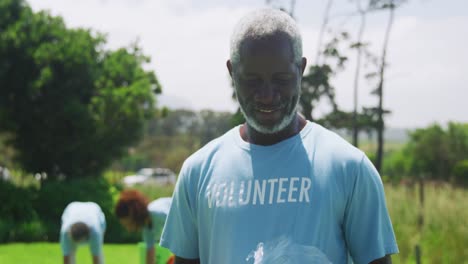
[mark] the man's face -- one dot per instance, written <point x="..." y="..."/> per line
<point x="267" y="83"/>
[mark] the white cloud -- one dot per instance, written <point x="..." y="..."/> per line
<point x="428" y="61"/>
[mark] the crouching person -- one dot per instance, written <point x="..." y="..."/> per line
<point x="136" y="213"/>
<point x="82" y="223"/>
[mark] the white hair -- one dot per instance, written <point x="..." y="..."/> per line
<point x="264" y="23"/>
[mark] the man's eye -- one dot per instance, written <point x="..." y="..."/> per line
<point x="252" y="81"/>
<point x="283" y="80"/>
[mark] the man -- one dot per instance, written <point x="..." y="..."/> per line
<point x="277" y="187"/>
<point x="82" y="223"/>
<point x="136" y="213"/>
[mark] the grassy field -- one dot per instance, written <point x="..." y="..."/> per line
<point x="443" y="237"/>
<point x="49" y="253"/>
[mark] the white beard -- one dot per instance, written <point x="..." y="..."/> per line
<point x="276" y="128"/>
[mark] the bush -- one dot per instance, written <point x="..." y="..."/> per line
<point x="30" y="232"/>
<point x="6" y="227"/>
<point x="397" y="165"/>
<point x="460" y="173"/>
<point x="372" y="157"/>
<point x="31" y="214"/>
<point x="19" y="221"/>
<point x="54" y="196"/>
<point x="16" y="202"/>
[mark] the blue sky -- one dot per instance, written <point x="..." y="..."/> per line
<point x="188" y="42"/>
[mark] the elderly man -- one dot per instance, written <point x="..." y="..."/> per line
<point x="82" y="223"/>
<point x="279" y="188"/>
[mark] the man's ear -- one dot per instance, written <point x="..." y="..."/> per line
<point x="304" y="63"/>
<point x="229" y="66"/>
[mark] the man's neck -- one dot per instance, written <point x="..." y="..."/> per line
<point x="250" y="135"/>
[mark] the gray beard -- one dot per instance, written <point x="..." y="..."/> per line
<point x="276" y="128"/>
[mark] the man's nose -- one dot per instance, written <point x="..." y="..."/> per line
<point x="267" y="94"/>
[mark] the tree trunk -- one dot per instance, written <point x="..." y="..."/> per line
<point x="356" y="74"/>
<point x="380" y="122"/>
<point x="307" y="111"/>
<point x="322" y="31"/>
<point x="292" y="7"/>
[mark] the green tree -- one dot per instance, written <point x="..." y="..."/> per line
<point x="316" y="83"/>
<point x="168" y="141"/>
<point x="360" y="47"/>
<point x="432" y="152"/>
<point x="212" y="125"/>
<point x="71" y="106"/>
<point x="176" y="122"/>
<point x="389" y="5"/>
<point x="435" y="152"/>
<point x="457" y="137"/>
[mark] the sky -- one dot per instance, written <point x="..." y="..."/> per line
<point x="188" y="42"/>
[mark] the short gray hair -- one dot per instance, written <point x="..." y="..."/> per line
<point x="263" y="23"/>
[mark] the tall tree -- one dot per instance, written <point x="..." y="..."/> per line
<point x="323" y="27"/>
<point x="290" y="10"/>
<point x="389" y="5"/>
<point x="316" y="83"/>
<point x="358" y="45"/>
<point x="71" y="106"/>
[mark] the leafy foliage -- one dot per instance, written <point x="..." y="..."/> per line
<point x="316" y="83"/>
<point x="434" y="153"/>
<point x="71" y="106"/>
<point x="19" y="221"/>
<point x="50" y="207"/>
<point x="460" y="173"/>
<point x="169" y="140"/>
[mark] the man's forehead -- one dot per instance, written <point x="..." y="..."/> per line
<point x="278" y="44"/>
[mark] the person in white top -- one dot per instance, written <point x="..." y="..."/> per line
<point x="82" y="223"/>
<point x="136" y="213"/>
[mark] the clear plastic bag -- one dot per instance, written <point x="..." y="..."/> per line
<point x="284" y="251"/>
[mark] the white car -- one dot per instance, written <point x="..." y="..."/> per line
<point x="159" y="176"/>
<point x="4" y="174"/>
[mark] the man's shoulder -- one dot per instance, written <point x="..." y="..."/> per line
<point x="328" y="143"/>
<point x="205" y="153"/>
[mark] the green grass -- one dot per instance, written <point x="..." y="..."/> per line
<point x="154" y="191"/>
<point x="47" y="253"/>
<point x="443" y="237"/>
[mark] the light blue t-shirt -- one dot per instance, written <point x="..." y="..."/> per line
<point x="158" y="210"/>
<point x="89" y="213"/>
<point x="312" y="198"/>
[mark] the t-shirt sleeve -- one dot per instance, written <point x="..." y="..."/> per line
<point x="95" y="242"/>
<point x="102" y="222"/>
<point x="367" y="225"/>
<point x="65" y="243"/>
<point x="180" y="233"/>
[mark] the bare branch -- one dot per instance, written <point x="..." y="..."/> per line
<point x="322" y="30"/>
